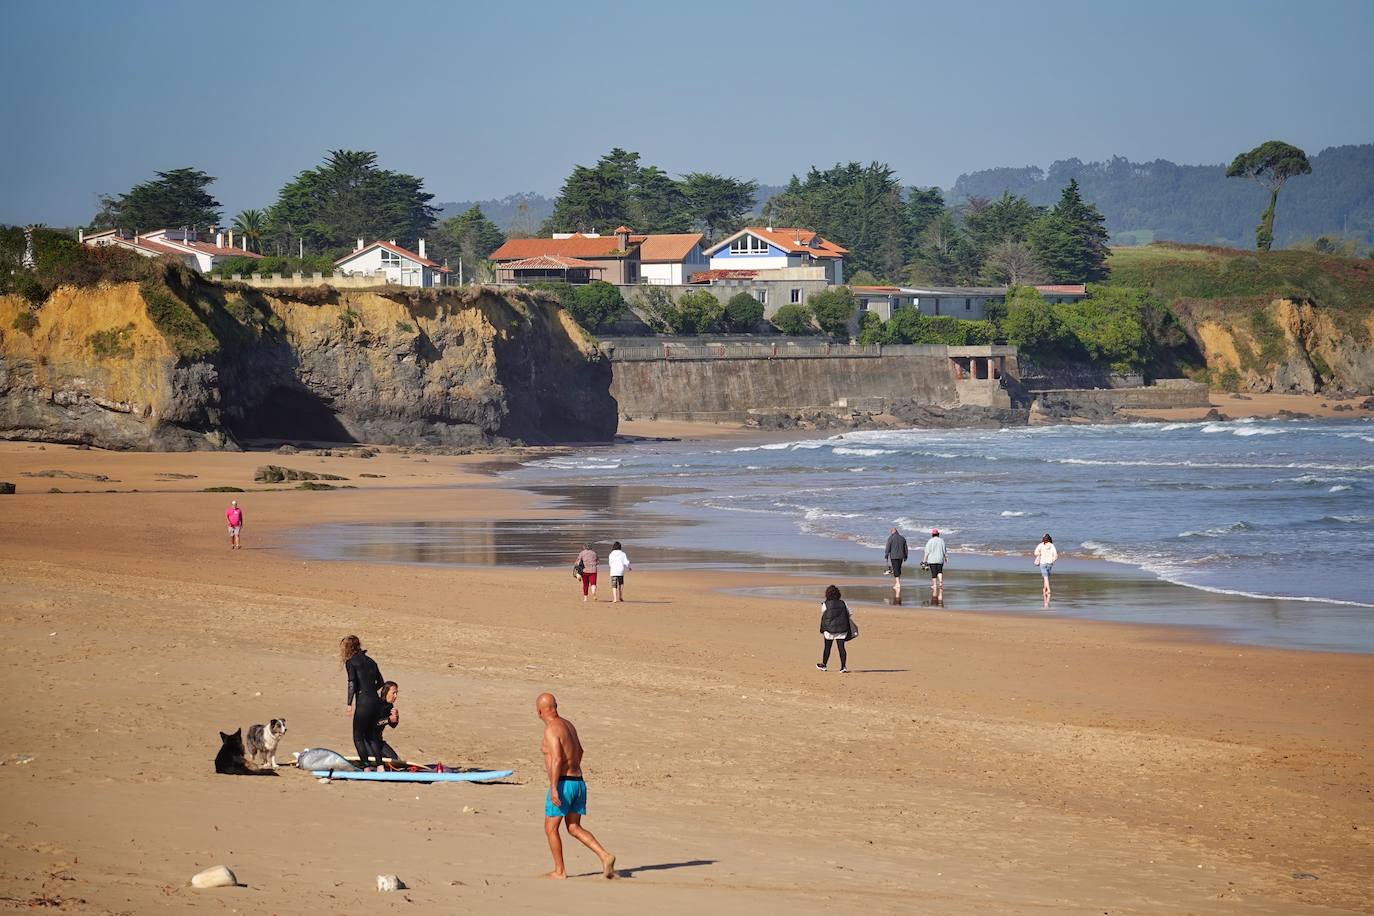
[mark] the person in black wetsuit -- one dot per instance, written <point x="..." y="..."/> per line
<point x="364" y="704"/>
<point x="390" y="716"/>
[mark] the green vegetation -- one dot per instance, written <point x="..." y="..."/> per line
<point x="1070" y="242"/>
<point x="172" y="199"/>
<point x="857" y="206"/>
<point x="743" y="313"/>
<point x="618" y="190"/>
<point x="183" y="328"/>
<point x="404" y="327"/>
<point x="286" y="266"/>
<point x="112" y="342"/>
<point x="349" y="318"/>
<point x="223" y="490"/>
<point x="594" y="305"/>
<point x="1270" y="164"/>
<point x="467" y="239"/>
<point x="794" y="319"/>
<point x="698" y="312"/>
<point x="25" y="322"/>
<point x="832" y="310"/>
<point x="1267" y="333"/>
<point x="909" y="326"/>
<point x="252" y="225"/>
<point x="346" y="198"/>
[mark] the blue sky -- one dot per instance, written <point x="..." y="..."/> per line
<point x="488" y="99"/>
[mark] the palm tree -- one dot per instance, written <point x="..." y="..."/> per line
<point x="251" y="224"/>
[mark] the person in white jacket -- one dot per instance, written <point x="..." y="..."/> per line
<point x="1045" y="555"/>
<point x="620" y="564"/>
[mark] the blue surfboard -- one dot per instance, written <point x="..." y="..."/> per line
<point x="477" y="776"/>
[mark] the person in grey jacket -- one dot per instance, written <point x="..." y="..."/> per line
<point x="895" y="553"/>
<point x="836" y="627"/>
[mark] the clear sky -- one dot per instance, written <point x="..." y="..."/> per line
<point x="487" y="99"/>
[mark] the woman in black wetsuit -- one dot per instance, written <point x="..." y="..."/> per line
<point x="364" y="703"/>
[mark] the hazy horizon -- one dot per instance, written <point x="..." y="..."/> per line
<point x="484" y="103"/>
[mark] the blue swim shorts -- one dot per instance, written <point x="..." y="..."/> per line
<point x="573" y="792"/>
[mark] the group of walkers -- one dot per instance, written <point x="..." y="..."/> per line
<point x="584" y="570"/>
<point x="933" y="557"/>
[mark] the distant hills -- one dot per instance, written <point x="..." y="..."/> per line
<point x="1146" y="201"/>
<point x="1142" y="201"/>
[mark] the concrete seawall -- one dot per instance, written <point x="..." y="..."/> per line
<point x="1167" y="394"/>
<point x="729" y="388"/>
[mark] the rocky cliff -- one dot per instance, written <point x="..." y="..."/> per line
<point x="1282" y="345"/>
<point x="178" y="363"/>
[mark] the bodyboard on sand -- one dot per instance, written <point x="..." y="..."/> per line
<point x="476" y="776"/>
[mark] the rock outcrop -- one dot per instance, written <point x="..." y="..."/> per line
<point x="1284" y="345"/>
<point x="193" y="365"/>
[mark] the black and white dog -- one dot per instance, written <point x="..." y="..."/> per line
<point x="260" y="744"/>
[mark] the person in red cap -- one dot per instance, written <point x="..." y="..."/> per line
<point x="934" y="557"/>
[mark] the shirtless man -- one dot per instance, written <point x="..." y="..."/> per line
<point x="567" y="798"/>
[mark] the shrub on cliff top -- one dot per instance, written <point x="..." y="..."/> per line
<point x="794" y="319"/>
<point x="26" y="322"/>
<point x="180" y="325"/>
<point x="743" y="312"/>
<point x="596" y="304"/>
<point x="834" y="308"/>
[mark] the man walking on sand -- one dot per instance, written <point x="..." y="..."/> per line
<point x="567" y="798"/>
<point x="895" y="554"/>
<point x="934" y="556"/>
<point x="234" y="516"/>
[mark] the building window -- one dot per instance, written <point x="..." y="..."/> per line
<point x="863" y="305"/>
<point x="390" y="258"/>
<point x="796" y="295"/>
<point x="762" y="296"/>
<point x="748" y="244"/>
<point x="968" y="304"/>
<point x="937" y="305"/>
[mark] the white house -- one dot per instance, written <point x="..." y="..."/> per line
<point x="770" y="248"/>
<point x="670" y="258"/>
<point x="190" y="246"/>
<point x="398" y="265"/>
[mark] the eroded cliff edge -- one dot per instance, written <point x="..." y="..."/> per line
<point x="178" y="363"/>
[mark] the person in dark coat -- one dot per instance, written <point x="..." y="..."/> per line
<point x="895" y="553"/>
<point x="836" y="627"/>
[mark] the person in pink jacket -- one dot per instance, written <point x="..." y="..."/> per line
<point x="234" y="516"/>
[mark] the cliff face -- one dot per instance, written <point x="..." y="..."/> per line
<point x="191" y="365"/>
<point x="1283" y="345"/>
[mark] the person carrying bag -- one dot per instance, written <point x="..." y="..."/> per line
<point x="837" y="627"/>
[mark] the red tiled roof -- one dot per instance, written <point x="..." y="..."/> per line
<point x="150" y="245"/>
<point x="706" y="276"/>
<point x="218" y="251"/>
<point x="792" y="241"/>
<point x="403" y="252"/>
<point x="619" y="229"/>
<point x="578" y="246"/>
<point x="1068" y="289"/>
<point x="874" y="289"/>
<point x="550" y="261"/>
<point x="669" y="247"/>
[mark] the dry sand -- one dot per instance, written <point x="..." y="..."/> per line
<point x="967" y="765"/>
<point x="1262" y="406"/>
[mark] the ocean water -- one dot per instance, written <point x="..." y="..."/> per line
<point x="1260" y="531"/>
<point x="1275" y="515"/>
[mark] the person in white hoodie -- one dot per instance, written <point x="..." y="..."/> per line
<point x="1045" y="555"/>
<point x="619" y="564"/>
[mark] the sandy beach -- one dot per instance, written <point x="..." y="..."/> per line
<point x="968" y="764"/>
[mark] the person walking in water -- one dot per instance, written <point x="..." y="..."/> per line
<point x="934" y="557"/>
<point x="895" y="553"/>
<point x="234" y="516"/>
<point x="619" y="564"/>
<point x="567" y="797"/>
<point x="365" y="704"/>
<point x="1045" y="556"/>
<point x="836" y="627"/>
<point x="586" y="570"/>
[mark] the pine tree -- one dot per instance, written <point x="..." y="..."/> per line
<point x="171" y="200"/>
<point x="1070" y="242"/>
<point x="468" y="238"/>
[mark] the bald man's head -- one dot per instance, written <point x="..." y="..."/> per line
<point x="546" y="704"/>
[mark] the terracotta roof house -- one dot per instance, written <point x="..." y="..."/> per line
<point x="778" y="248"/>
<point x="548" y="268"/>
<point x="190" y="246"/>
<point x="393" y="264"/>
<point x="671" y="258"/>
<point x="617" y="256"/>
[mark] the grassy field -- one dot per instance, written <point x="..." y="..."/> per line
<point x="1191" y="272"/>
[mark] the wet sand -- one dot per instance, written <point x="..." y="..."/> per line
<point x="970" y="763"/>
<point x="1261" y="406"/>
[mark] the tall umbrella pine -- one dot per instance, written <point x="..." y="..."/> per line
<point x="1270" y="165"/>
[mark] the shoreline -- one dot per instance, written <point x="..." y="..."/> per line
<point x="1005" y="762"/>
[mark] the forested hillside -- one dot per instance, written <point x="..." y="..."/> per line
<point x="1145" y="201"/>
